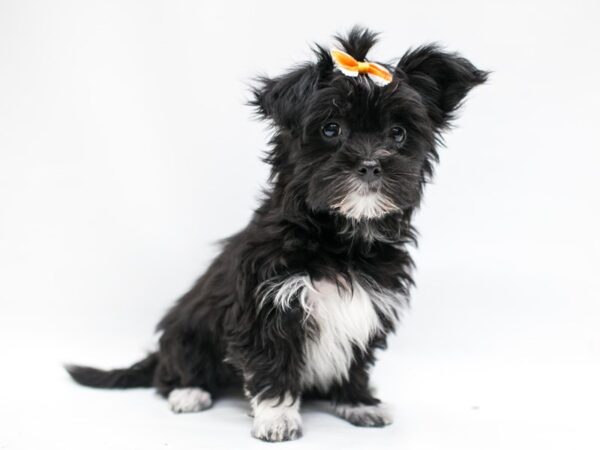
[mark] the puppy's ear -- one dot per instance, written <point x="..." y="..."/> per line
<point x="284" y="99"/>
<point x="443" y="80"/>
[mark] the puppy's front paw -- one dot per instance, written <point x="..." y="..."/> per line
<point x="276" y="421"/>
<point x="364" y="415"/>
<point x="277" y="429"/>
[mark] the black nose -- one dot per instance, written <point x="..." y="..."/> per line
<point x="369" y="170"/>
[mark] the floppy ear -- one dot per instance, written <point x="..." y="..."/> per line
<point x="283" y="99"/>
<point x="443" y="79"/>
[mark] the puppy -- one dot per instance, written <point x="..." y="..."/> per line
<point x="298" y="302"/>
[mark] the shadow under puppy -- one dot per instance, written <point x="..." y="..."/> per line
<point x="298" y="301"/>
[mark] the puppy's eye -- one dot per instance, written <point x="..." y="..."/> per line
<point x="399" y="134"/>
<point x="331" y="130"/>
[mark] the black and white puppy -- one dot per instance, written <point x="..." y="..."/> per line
<point x="297" y="303"/>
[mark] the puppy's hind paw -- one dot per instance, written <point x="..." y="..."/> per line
<point x="364" y="415"/>
<point x="187" y="400"/>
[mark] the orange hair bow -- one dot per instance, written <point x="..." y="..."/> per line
<point x="351" y="67"/>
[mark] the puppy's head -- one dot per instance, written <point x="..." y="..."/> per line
<point x="347" y="145"/>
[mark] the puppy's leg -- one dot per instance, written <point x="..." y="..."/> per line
<point x="353" y="401"/>
<point x="270" y="351"/>
<point x="190" y="371"/>
<point x="275" y="399"/>
<point x="179" y="381"/>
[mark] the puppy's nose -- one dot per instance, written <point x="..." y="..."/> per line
<point x="369" y="170"/>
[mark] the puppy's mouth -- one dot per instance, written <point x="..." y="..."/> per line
<point x="371" y="186"/>
<point x="364" y="200"/>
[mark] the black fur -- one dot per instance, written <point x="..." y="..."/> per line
<point x="139" y="374"/>
<point x="218" y="334"/>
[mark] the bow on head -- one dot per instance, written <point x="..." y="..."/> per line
<point x="351" y="67"/>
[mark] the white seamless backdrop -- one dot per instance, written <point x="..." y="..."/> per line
<point x="126" y="152"/>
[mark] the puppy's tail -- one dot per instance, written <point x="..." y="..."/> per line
<point x="140" y="374"/>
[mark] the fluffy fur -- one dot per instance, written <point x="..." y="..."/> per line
<point x="186" y="400"/>
<point x="298" y="301"/>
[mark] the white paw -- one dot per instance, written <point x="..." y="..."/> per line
<point x="277" y="422"/>
<point x="187" y="400"/>
<point x="282" y="428"/>
<point x="364" y="415"/>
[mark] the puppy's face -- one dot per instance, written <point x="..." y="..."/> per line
<point x="348" y="146"/>
<point x="363" y="148"/>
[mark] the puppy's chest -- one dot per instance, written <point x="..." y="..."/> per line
<point x="342" y="322"/>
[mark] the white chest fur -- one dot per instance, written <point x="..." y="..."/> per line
<point x="345" y="320"/>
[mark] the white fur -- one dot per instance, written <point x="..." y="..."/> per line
<point x="344" y="319"/>
<point x="276" y="421"/>
<point x="282" y="291"/>
<point x="364" y="415"/>
<point x="187" y="400"/>
<point x="358" y="204"/>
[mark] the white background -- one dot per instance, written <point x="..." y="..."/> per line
<point x="126" y="152"/>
